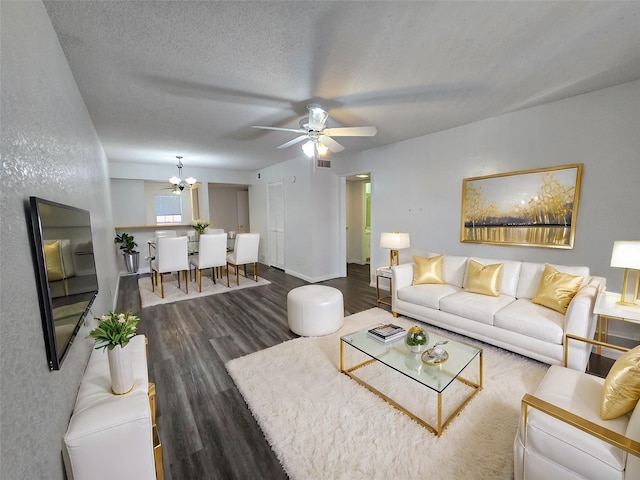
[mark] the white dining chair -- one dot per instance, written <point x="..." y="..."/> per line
<point x="245" y="251"/>
<point x="171" y="255"/>
<point x="212" y="253"/>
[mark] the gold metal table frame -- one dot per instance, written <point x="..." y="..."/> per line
<point x="442" y="423"/>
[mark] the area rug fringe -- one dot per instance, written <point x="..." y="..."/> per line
<point x="323" y="425"/>
<point x="174" y="294"/>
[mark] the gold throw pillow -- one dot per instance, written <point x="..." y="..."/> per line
<point x="621" y="389"/>
<point x="484" y="279"/>
<point x="427" y="270"/>
<point x="54" y="260"/>
<point x="557" y="289"/>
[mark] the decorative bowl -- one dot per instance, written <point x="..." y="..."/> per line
<point x="416" y="339"/>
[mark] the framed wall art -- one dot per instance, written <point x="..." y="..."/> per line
<point x="530" y="207"/>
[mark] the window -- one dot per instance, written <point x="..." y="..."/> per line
<point x="168" y="208"/>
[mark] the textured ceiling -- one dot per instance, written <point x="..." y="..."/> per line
<point x="167" y="78"/>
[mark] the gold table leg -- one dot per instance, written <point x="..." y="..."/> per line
<point x="441" y="425"/>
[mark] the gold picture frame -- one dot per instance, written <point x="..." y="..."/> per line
<point x="535" y="208"/>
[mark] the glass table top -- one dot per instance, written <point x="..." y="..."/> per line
<point x="398" y="356"/>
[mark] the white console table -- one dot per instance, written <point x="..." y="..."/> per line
<point x="114" y="436"/>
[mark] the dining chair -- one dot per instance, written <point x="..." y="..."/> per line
<point x="152" y="243"/>
<point x="170" y="256"/>
<point x="212" y="253"/>
<point x="245" y="251"/>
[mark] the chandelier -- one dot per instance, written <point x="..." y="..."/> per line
<point x="178" y="183"/>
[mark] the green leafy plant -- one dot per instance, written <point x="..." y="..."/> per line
<point x="114" y="329"/>
<point x="200" y="225"/>
<point x="127" y="245"/>
<point x="416" y="336"/>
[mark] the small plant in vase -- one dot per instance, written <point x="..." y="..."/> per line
<point x="113" y="333"/>
<point x="200" y="226"/>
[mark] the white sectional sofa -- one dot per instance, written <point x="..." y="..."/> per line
<point x="509" y="320"/>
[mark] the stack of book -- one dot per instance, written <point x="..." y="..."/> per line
<point x="387" y="332"/>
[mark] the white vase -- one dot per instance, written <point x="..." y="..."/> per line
<point x="120" y="370"/>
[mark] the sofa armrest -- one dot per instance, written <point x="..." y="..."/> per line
<point x="402" y="275"/>
<point x="617" y="440"/>
<point x="581" y="321"/>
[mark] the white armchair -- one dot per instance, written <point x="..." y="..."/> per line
<point x="562" y="435"/>
<point x="245" y="251"/>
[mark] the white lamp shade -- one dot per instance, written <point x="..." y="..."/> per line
<point x="626" y="254"/>
<point x="394" y="240"/>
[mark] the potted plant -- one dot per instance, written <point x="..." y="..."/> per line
<point x="131" y="255"/>
<point x="113" y="333"/>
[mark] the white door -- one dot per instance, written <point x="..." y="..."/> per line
<point x="275" y="199"/>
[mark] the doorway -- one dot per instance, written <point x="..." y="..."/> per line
<point x="357" y="208"/>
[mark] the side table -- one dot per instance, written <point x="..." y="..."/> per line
<point x="607" y="309"/>
<point x="383" y="272"/>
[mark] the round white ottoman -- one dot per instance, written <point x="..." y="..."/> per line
<point x="315" y="310"/>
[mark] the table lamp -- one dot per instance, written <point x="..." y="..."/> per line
<point x="395" y="241"/>
<point x="626" y="254"/>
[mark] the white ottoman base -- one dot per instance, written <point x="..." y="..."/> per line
<point x="315" y="310"/>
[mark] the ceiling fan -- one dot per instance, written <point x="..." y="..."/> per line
<point x="314" y="130"/>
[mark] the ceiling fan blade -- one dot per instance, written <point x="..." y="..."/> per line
<point x="295" y="130"/>
<point x="294" y="141"/>
<point x="351" y="131"/>
<point x="330" y="143"/>
<point x="317" y="117"/>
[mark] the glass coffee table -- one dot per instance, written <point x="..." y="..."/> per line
<point x="435" y="374"/>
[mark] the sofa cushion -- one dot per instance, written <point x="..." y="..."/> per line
<point x="510" y="274"/>
<point x="531" y="274"/>
<point x="453" y="269"/>
<point x="556" y="289"/>
<point x="473" y="306"/>
<point x="484" y="279"/>
<point x="532" y="320"/>
<point x="621" y="389"/>
<point x="427" y="295"/>
<point x="427" y="270"/>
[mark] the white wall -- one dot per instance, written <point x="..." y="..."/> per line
<point x="417" y="186"/>
<point x="311" y="217"/>
<point x="49" y="149"/>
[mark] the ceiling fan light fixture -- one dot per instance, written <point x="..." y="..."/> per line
<point x="322" y="149"/>
<point x="309" y="148"/>
<point x="174" y="180"/>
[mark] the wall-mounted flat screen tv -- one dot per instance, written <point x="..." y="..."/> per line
<point x="65" y="271"/>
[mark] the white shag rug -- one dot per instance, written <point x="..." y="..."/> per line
<point x="174" y="294"/>
<point x="323" y="425"/>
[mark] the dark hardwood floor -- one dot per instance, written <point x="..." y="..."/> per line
<point x="206" y="429"/>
